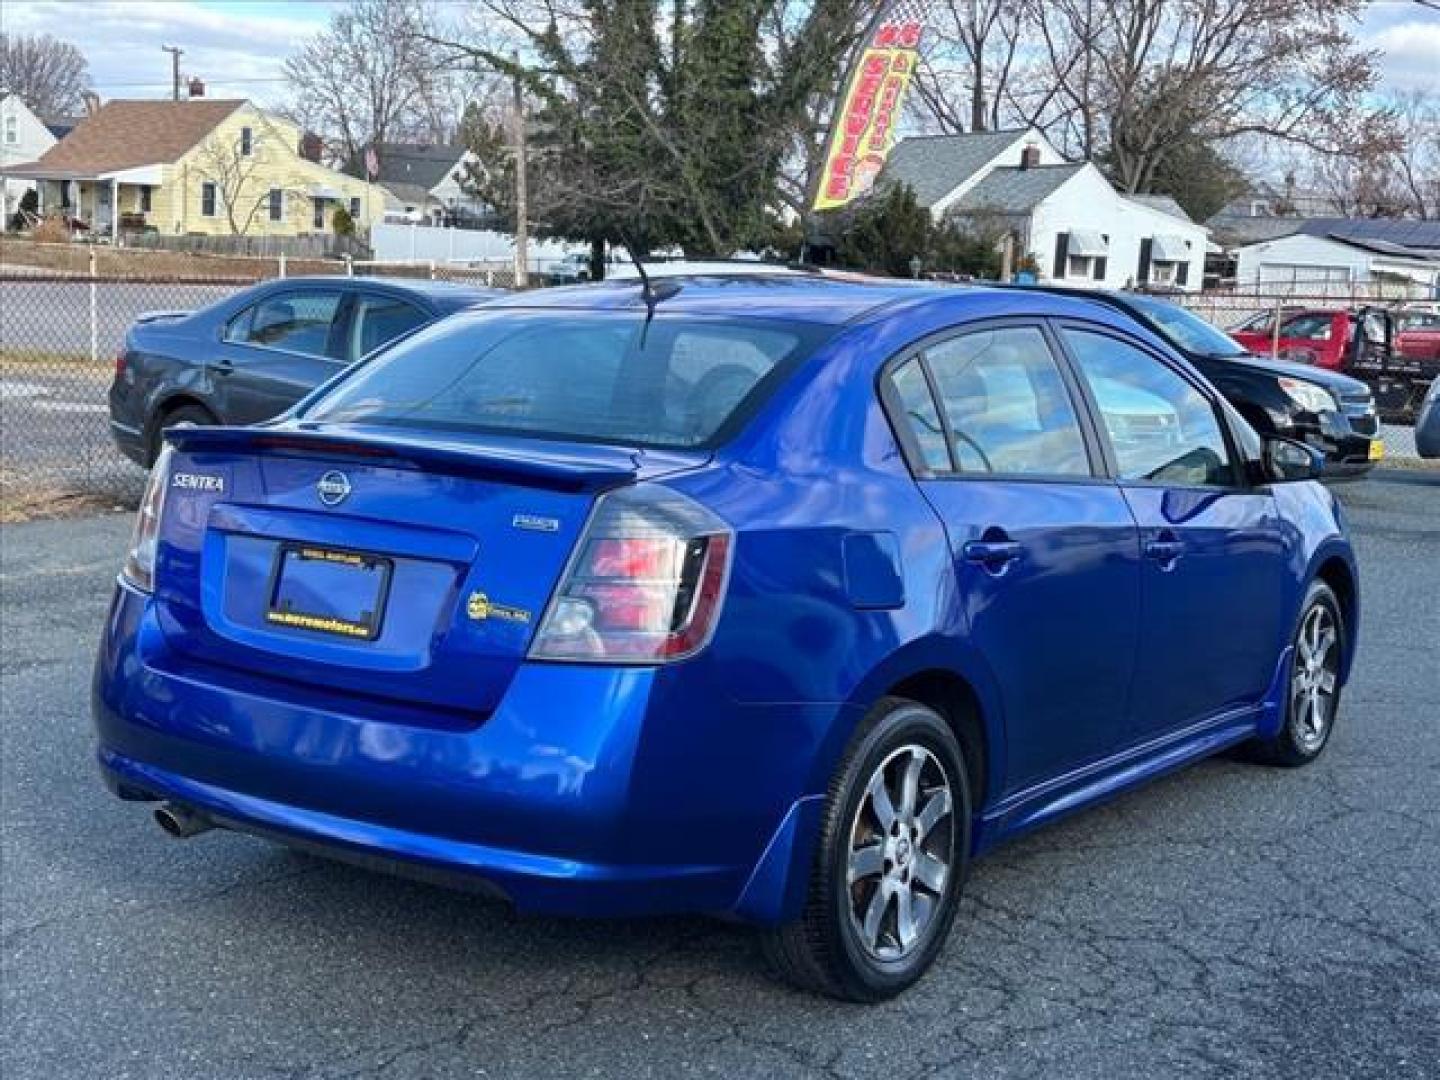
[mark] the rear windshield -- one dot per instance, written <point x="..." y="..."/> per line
<point x="683" y="382"/>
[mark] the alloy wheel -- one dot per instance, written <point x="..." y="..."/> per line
<point x="901" y="853"/>
<point x="1315" y="679"/>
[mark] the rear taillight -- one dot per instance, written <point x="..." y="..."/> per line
<point x="120" y="364"/>
<point x="139" y="568"/>
<point x="645" y="585"/>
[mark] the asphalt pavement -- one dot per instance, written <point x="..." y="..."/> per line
<point x="1232" y="920"/>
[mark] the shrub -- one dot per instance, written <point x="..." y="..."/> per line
<point x="342" y="222"/>
<point x="53" y="230"/>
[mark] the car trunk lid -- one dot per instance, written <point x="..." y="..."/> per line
<point x="404" y="571"/>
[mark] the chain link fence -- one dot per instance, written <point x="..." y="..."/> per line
<point x="60" y="332"/>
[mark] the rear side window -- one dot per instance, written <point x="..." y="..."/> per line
<point x="920" y="417"/>
<point x="604" y="377"/>
<point x="1161" y="428"/>
<point x="380" y="319"/>
<point x="298" y="322"/>
<point x="1007" y="405"/>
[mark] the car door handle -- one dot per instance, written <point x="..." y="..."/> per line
<point x="994" y="555"/>
<point x="1165" y="552"/>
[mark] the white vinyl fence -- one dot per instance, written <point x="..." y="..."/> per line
<point x="403" y="243"/>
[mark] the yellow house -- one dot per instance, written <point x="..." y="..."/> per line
<point x="210" y="167"/>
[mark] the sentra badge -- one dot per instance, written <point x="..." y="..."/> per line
<point x="535" y="523"/>
<point x="480" y="607"/>
<point x="333" y="488"/>
<point x="198" y="482"/>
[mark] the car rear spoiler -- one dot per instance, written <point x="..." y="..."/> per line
<point x="157" y="316"/>
<point x="540" y="467"/>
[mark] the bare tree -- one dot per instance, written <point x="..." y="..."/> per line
<point x="972" y="50"/>
<point x="1417" y="165"/>
<point x="50" y="75"/>
<point x="372" y="76"/>
<point x="242" y="180"/>
<point x="1388" y="180"/>
<point x="1132" y="83"/>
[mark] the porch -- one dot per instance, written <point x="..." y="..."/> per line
<point x="103" y="204"/>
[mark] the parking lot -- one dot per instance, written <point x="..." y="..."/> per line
<point x="1230" y="921"/>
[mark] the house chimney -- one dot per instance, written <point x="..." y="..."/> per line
<point x="197" y="87"/>
<point x="92" y="102"/>
<point x="311" y="147"/>
<point x="1030" y="156"/>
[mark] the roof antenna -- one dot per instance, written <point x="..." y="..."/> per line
<point x="651" y="293"/>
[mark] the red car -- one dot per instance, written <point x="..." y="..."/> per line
<point x="1360" y="342"/>
<point x="1333" y="339"/>
<point x="1418" y="335"/>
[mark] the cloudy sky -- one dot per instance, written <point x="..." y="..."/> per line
<point x="238" y="46"/>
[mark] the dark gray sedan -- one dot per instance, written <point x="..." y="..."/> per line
<point x="1427" y="424"/>
<point x="253" y="355"/>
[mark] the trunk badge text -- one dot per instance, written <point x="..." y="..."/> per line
<point x="535" y="523"/>
<point x="333" y="488"/>
<point x="480" y="607"/>
<point x="198" y="482"/>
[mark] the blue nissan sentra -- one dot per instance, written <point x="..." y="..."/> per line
<point x="779" y="598"/>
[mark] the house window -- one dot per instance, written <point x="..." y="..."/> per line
<point x="247" y="141"/>
<point x="355" y="209"/>
<point x="207" y="199"/>
<point x="1080" y="266"/>
<point x="277" y="204"/>
<point x="1162" y="273"/>
<point x="12" y="134"/>
<point x="320" y="215"/>
<point x="145" y="198"/>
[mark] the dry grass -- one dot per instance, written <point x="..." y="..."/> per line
<point x="125" y="262"/>
<point x="25" y="499"/>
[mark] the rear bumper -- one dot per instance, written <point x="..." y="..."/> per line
<point x="590" y="790"/>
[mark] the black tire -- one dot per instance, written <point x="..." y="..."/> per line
<point x="1299" y="742"/>
<point x="824" y="950"/>
<point x="194" y="415"/>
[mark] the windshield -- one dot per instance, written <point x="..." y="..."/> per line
<point x="681" y="383"/>
<point x="1188" y="331"/>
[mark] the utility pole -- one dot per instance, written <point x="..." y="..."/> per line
<point x="175" y="70"/>
<point x="522" y="188"/>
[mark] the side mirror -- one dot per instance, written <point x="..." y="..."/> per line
<point x="1286" y="460"/>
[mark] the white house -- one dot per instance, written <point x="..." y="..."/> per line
<point x="1329" y="260"/>
<point x="425" y="181"/>
<point x="1066" y="216"/>
<point x="23" y="138"/>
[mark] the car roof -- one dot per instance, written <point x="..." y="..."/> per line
<point x="434" y="290"/>
<point x="809" y="298"/>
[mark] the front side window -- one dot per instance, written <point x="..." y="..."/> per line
<point x="355" y="209"/>
<point x="247" y="141"/>
<point x="1162" y="429"/>
<point x="207" y="199"/>
<point x="599" y="377"/>
<point x="298" y="322"/>
<point x="319" y="219"/>
<point x="277" y="204"/>
<point x="1007" y="405"/>
<point x="12" y="133"/>
<point x="146" y="198"/>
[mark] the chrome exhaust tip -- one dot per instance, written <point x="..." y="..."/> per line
<point x="180" y="821"/>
